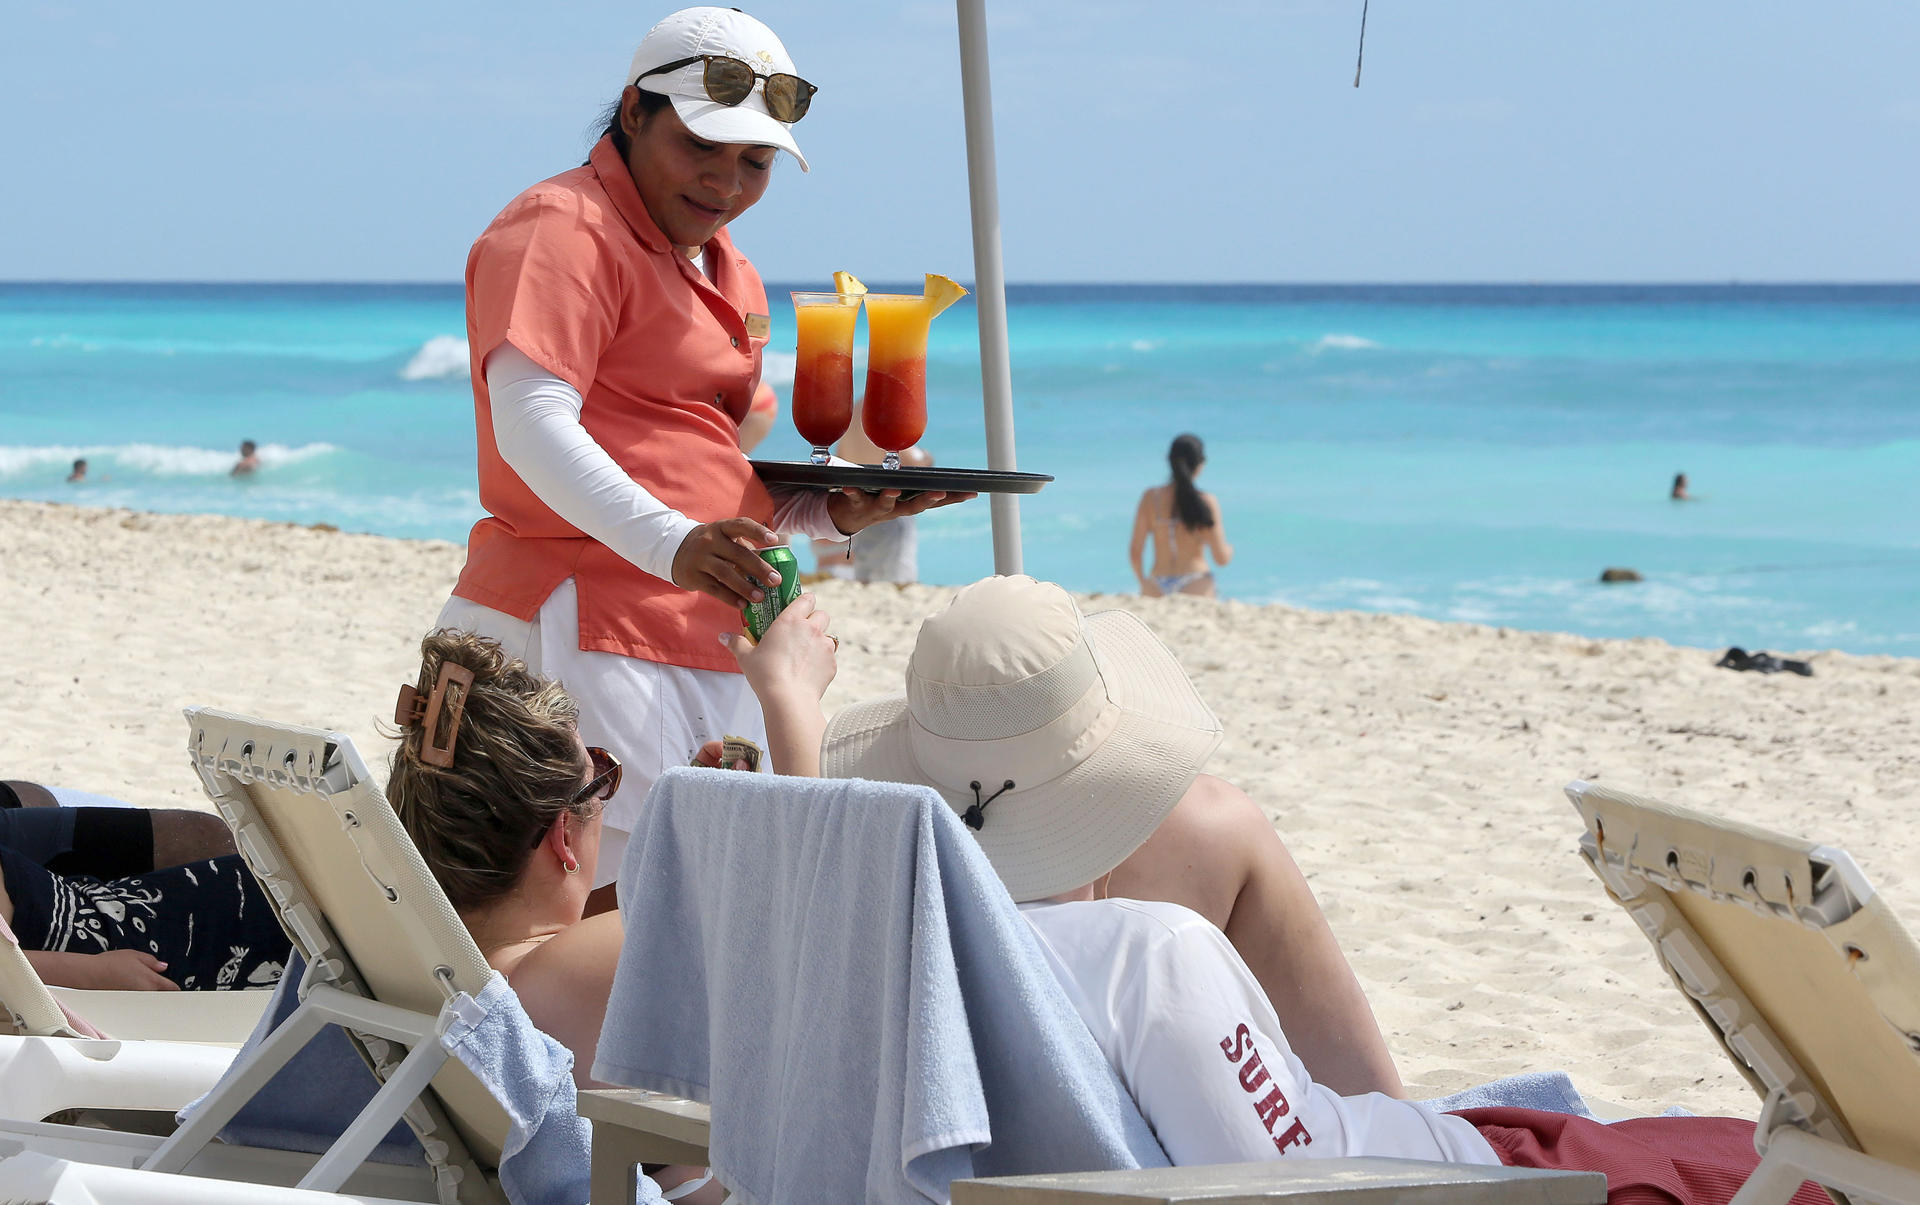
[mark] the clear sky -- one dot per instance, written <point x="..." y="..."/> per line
<point x="1638" y="140"/>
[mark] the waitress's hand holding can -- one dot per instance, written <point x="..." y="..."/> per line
<point x="758" y="616"/>
<point x="721" y="561"/>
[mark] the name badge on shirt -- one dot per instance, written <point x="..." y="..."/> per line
<point x="758" y="327"/>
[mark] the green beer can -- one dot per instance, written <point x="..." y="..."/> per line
<point x="759" y="616"/>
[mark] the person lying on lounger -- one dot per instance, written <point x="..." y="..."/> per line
<point x="512" y="823"/>
<point x="114" y="896"/>
<point x="1169" y="1000"/>
<point x="510" y="826"/>
<point x="505" y="838"/>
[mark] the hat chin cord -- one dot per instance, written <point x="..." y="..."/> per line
<point x="976" y="815"/>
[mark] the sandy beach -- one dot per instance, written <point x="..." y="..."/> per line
<point x="1413" y="767"/>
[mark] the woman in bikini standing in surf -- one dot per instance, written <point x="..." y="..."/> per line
<point x="1185" y="524"/>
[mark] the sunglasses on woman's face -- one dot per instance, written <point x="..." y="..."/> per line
<point x="605" y="780"/>
<point x="729" y="81"/>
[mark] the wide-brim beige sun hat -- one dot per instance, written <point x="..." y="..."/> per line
<point x="1090" y="719"/>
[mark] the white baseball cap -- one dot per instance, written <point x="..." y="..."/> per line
<point x="717" y="31"/>
<point x="1063" y="740"/>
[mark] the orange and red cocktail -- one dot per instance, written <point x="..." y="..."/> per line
<point x="894" y="414"/>
<point x="823" y="368"/>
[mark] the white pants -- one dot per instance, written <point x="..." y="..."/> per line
<point x="648" y="715"/>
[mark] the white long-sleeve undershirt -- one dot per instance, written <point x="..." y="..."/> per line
<point x="536" y="426"/>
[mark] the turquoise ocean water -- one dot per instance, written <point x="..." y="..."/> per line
<point x="1475" y="453"/>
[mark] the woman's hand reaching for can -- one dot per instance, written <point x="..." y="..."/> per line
<point x="719" y="560"/>
<point x="789" y="670"/>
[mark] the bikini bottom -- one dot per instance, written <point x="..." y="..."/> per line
<point x="1174" y="583"/>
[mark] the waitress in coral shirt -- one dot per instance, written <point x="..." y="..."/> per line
<point x="616" y="340"/>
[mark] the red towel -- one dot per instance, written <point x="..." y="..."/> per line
<point x="1647" y="1160"/>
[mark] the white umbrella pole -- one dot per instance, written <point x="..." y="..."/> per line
<point x="990" y="285"/>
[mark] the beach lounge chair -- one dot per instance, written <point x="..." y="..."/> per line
<point x="708" y="838"/>
<point x="32" y="1008"/>
<point x="386" y="959"/>
<point x="52" y="1061"/>
<point x="1802" y="972"/>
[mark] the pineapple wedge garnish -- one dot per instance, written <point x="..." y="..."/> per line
<point x="847" y="282"/>
<point x="941" y="292"/>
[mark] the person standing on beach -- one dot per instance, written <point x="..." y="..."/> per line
<point x="1184" y="525"/>
<point x="615" y="337"/>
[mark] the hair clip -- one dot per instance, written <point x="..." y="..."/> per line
<point x="410" y="708"/>
<point x="412" y="711"/>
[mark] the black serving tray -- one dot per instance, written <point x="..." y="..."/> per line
<point x="872" y="478"/>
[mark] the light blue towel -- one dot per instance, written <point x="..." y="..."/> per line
<point x="67" y="797"/>
<point x="544" y="1160"/>
<point x="1548" y="1091"/>
<point x="835" y="968"/>
<point x="309" y="1103"/>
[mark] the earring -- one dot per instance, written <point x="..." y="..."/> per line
<point x="571" y="866"/>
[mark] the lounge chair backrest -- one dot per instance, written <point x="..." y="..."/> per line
<point x="26" y="1006"/>
<point x="356" y="896"/>
<point x="1804" y="974"/>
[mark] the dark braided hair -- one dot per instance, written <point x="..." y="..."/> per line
<point x="516" y="768"/>
<point x="1186" y="456"/>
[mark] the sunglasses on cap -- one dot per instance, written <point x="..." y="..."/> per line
<point x="729" y="81"/>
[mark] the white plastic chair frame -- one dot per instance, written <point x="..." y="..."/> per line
<point x="228" y="752"/>
<point x="48" y="1067"/>
<point x="1800" y="923"/>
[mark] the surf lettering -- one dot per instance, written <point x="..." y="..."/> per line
<point x="1272" y="1107"/>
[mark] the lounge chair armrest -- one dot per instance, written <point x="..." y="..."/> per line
<point x="1296" y="1182"/>
<point x="632" y="1126"/>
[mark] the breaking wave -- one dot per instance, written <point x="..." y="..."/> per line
<point x="440" y="357"/>
<point x="151" y="460"/>
<point x="1341" y="343"/>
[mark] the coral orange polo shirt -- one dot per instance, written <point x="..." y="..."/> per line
<point x="574" y="273"/>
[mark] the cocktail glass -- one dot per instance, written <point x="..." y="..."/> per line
<point x="894" y="414"/>
<point x="823" y="368"/>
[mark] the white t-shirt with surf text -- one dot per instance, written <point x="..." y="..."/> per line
<point x="1198" y="1046"/>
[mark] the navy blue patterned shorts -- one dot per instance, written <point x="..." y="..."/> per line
<point x="208" y="921"/>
